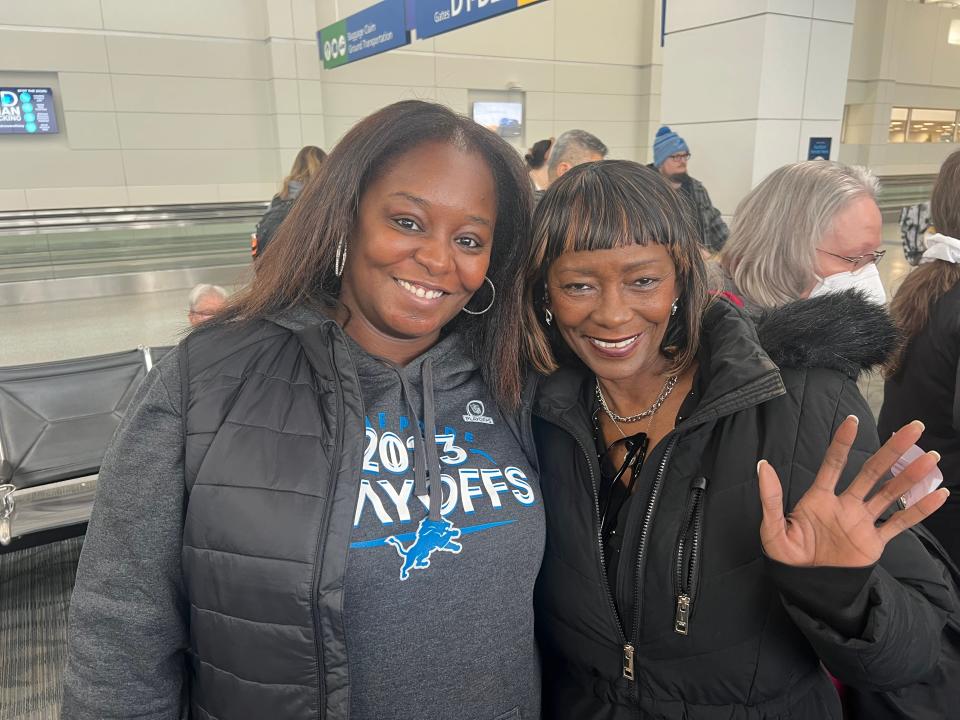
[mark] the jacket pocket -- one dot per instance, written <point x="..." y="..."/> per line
<point x="686" y="568"/>
<point x="510" y="715"/>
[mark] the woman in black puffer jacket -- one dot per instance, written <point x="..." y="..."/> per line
<point x="672" y="586"/>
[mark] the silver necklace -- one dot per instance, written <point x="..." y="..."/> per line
<point x="664" y="394"/>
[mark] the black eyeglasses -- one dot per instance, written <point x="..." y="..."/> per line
<point x="872" y="257"/>
<point x="679" y="157"/>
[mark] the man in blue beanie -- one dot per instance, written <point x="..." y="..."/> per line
<point x="670" y="156"/>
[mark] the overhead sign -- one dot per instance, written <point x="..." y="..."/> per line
<point x="27" y="111"/>
<point x="819" y="148"/>
<point x="377" y="29"/>
<point x="434" y="17"/>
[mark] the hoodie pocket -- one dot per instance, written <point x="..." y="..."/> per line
<point x="511" y="715"/>
<point x="686" y="569"/>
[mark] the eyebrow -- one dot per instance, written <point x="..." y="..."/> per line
<point x="425" y="204"/>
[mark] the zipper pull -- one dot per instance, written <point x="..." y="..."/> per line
<point x="628" y="661"/>
<point x="682" y="622"/>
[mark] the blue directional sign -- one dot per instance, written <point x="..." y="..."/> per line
<point x="819" y="148"/>
<point x="434" y="17"/>
<point x="379" y="28"/>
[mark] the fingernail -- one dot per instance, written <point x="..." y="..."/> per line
<point x="935" y="455"/>
<point x="945" y="491"/>
<point x="758" y="466"/>
<point x="919" y="425"/>
<point x="855" y="418"/>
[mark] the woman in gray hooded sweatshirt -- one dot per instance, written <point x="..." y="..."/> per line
<point x="320" y="505"/>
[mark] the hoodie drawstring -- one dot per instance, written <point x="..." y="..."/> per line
<point x="425" y="441"/>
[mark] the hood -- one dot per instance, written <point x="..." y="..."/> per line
<point x="840" y="331"/>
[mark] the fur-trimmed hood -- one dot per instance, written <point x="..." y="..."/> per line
<point x="839" y="331"/>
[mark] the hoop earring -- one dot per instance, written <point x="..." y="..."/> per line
<point x="492" y="298"/>
<point x="547" y="315"/>
<point x="673" y="308"/>
<point x="341" y="258"/>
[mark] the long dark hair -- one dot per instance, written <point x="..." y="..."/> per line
<point x="922" y="288"/>
<point x="604" y="205"/>
<point x="298" y="267"/>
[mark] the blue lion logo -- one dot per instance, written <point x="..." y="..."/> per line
<point x="431" y="535"/>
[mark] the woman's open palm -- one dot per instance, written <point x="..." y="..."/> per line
<point x="826" y="529"/>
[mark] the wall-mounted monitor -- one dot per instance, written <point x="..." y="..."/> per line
<point x="27" y="111"/>
<point x="503" y="118"/>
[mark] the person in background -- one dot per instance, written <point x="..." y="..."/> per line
<point x="205" y="302"/>
<point x="922" y="381"/>
<point x="305" y="166"/>
<point x="670" y="157"/>
<point x="537" y="163"/>
<point x="321" y="504"/>
<point x="808" y="229"/>
<point x="711" y="536"/>
<point x="572" y="148"/>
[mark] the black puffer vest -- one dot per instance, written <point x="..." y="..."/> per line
<point x="273" y="437"/>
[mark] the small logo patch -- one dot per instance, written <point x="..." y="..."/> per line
<point x="475" y="413"/>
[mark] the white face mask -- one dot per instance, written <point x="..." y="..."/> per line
<point x="866" y="279"/>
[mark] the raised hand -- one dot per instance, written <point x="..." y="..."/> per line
<point x="840" y="530"/>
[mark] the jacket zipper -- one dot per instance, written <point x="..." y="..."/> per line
<point x="321" y="546"/>
<point x="628" y="649"/>
<point x="688" y="556"/>
<point x="644" y="536"/>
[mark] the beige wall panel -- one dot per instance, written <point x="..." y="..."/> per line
<point x="91" y="130"/>
<point x="312" y="132"/>
<point x="308" y="61"/>
<point x="52" y="13"/>
<point x="361" y="100"/>
<point x="311" y="96"/>
<point x="336" y="127"/>
<point x="195" y="132"/>
<point x="304" y="19"/>
<point x="925" y="96"/>
<point x="913" y="57"/>
<point x="946" y="58"/>
<point x="688" y="14"/>
<point x="526" y="33"/>
<point x="826" y="80"/>
<point x="601" y="31"/>
<point x="191" y="57"/>
<point x="540" y="106"/>
<point x="158" y="94"/>
<point x="494" y="73"/>
<point x="715" y="91"/>
<point x="390" y="68"/>
<point x="786" y="41"/>
<point x="612" y="79"/>
<point x="172" y="194"/>
<point x="455" y="98"/>
<point x="172" y="167"/>
<point x="585" y="106"/>
<point x="214" y="18"/>
<point x="288" y="131"/>
<point x="858" y="91"/>
<point x="13" y="200"/>
<point x="64" y="197"/>
<point x="56" y="167"/>
<point x="612" y="133"/>
<point x="819" y="128"/>
<point x="238" y="192"/>
<point x="868" y="35"/>
<point x="907" y="158"/>
<point x="51" y="51"/>
<point x="287" y="156"/>
<point x="538" y="130"/>
<point x="838" y="10"/>
<point x="85" y="91"/>
<point x="636" y="154"/>
<point x="279" y="19"/>
<point x="283" y="58"/>
<point x="286" y="96"/>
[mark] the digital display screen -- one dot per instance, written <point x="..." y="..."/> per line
<point x="27" y="111"/>
<point x="503" y="118"/>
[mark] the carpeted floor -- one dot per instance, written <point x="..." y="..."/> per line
<point x="35" y="588"/>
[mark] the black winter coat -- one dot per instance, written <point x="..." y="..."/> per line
<point x="756" y="630"/>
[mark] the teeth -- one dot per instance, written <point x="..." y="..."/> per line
<point x="420" y="292"/>
<point x="614" y="346"/>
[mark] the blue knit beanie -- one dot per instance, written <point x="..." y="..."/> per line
<point x="667" y="143"/>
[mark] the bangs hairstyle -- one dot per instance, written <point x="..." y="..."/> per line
<point x="601" y="206"/>
<point x="297" y="267"/>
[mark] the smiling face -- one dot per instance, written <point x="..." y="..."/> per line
<point x="612" y="307"/>
<point x="420" y="249"/>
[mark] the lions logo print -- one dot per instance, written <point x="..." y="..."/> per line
<point x="432" y="535"/>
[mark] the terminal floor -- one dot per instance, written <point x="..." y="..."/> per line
<point x="35" y="584"/>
